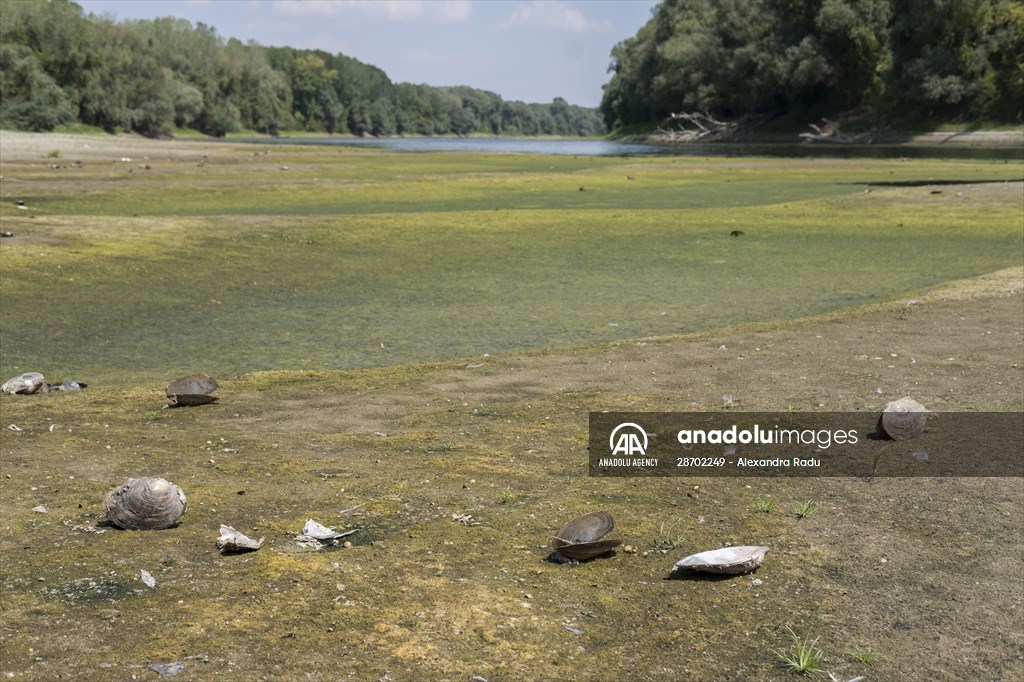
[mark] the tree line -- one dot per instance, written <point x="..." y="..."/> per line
<point x="59" y="66"/>
<point x="923" y="60"/>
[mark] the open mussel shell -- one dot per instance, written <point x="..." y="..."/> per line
<point x="191" y="390"/>
<point x="903" y="419"/>
<point x="145" y="504"/>
<point x="231" y="540"/>
<point x="584" y="537"/>
<point x="728" y="560"/>
<point x="25" y="384"/>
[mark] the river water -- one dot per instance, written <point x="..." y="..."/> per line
<point x="591" y="147"/>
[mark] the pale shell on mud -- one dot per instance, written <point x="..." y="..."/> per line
<point x="231" y="540"/>
<point x="728" y="560"/>
<point x="145" y="504"/>
<point x="903" y="419"/>
<point x="24" y="384"/>
<point x="583" y="537"/>
<point x="194" y="389"/>
<point x="317" y="535"/>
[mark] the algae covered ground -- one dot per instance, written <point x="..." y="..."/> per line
<point x="410" y="345"/>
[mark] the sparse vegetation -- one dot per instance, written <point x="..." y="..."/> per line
<point x="441" y="581"/>
<point x="875" y="461"/>
<point x="506" y="495"/>
<point x="670" y="535"/>
<point x="802" y="655"/>
<point x="863" y="654"/>
<point x="804" y="509"/>
<point x="764" y="504"/>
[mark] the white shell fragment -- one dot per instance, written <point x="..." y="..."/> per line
<point x="903" y="419"/>
<point x="24" y="384"/>
<point x="147" y="578"/>
<point x="231" y="540"/>
<point x="318" y="535"/>
<point x="728" y="560"/>
<point x="145" y="504"/>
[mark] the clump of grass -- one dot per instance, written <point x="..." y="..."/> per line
<point x="802" y="655"/>
<point x="875" y="461"/>
<point x="54" y="154"/>
<point x="863" y="654"/>
<point x="727" y="401"/>
<point x="447" y="446"/>
<point x="764" y="504"/>
<point x="506" y="495"/>
<point x="804" y="509"/>
<point x="670" y="535"/>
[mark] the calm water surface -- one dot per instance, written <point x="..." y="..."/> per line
<point x="589" y="147"/>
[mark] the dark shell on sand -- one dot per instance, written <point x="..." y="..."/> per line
<point x="583" y="537"/>
<point x="194" y="389"/>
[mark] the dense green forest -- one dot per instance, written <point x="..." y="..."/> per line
<point x="909" y="60"/>
<point x="60" y="66"/>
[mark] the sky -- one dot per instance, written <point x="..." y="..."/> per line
<point x="528" y="50"/>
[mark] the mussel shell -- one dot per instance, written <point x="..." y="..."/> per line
<point x="318" y="531"/>
<point x="192" y="399"/>
<point x="903" y="419"/>
<point x="25" y="384"/>
<point x="192" y="385"/>
<point x="231" y="540"/>
<point x="728" y="560"/>
<point x="586" y="528"/>
<point x="581" y="538"/>
<point x="581" y="551"/>
<point x="145" y="504"/>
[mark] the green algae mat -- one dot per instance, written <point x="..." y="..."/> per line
<point x="138" y="263"/>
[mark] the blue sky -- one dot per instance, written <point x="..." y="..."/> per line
<point x="530" y="50"/>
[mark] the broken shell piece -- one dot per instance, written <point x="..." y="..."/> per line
<point x="70" y="385"/>
<point x="583" y="537"/>
<point x="24" y="384"/>
<point x="903" y="419"/>
<point x="319" y="531"/>
<point x="231" y="540"/>
<point x="728" y="560"/>
<point x="318" y="535"/>
<point x="192" y="390"/>
<point x="145" y="504"/>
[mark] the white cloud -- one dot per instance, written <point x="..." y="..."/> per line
<point x="441" y="11"/>
<point x="554" y="16"/>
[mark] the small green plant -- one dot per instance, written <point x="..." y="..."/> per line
<point x="764" y="504"/>
<point x="55" y="154"/>
<point x="670" y="535"/>
<point x="506" y="495"/>
<point x="863" y="654"/>
<point x="447" y="446"/>
<point x="804" y="509"/>
<point x="875" y="461"/>
<point x="727" y="401"/>
<point x="802" y="655"/>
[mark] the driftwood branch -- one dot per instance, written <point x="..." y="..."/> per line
<point x="693" y="127"/>
<point x="688" y="127"/>
<point x="829" y="132"/>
